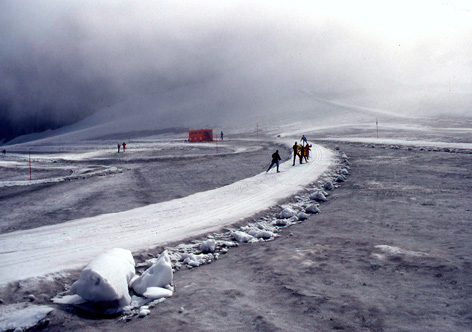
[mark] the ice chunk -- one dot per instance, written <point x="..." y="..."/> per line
<point x="302" y="216"/>
<point x="286" y="213"/>
<point x="158" y="275"/>
<point x="318" y="196"/>
<point x="328" y="185"/>
<point x="266" y="235"/>
<point x="106" y="278"/>
<point x="69" y="299"/>
<point x="241" y="236"/>
<point x="157" y="293"/>
<point x="196" y="260"/>
<point x="21" y="316"/>
<point x="208" y="246"/>
<point x="228" y="244"/>
<point x="143" y="312"/>
<point x="251" y="231"/>
<point x="340" y="178"/>
<point x="312" y="209"/>
<point x="281" y="222"/>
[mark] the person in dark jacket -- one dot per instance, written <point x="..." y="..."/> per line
<point x="297" y="151"/>
<point x="275" y="160"/>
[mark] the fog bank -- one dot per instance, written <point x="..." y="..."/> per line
<point x="191" y="63"/>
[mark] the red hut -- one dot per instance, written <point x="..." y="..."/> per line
<point x="200" y="135"/>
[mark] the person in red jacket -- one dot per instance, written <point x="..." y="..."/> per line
<point x="124" y="146"/>
<point x="306" y="152"/>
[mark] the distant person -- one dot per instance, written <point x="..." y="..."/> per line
<point x="124" y="146"/>
<point x="303" y="140"/>
<point x="118" y="147"/>
<point x="275" y="161"/>
<point x="4" y="151"/>
<point x="306" y="152"/>
<point x="221" y="135"/>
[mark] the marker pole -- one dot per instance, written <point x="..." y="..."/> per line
<point x="377" y="125"/>
<point x="29" y="154"/>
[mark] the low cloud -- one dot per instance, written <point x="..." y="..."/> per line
<point x="219" y="61"/>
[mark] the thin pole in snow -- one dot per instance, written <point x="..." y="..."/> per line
<point x="257" y="130"/>
<point x="377" y="125"/>
<point x="216" y="140"/>
<point x="29" y="154"/>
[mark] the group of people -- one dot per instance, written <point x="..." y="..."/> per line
<point x="121" y="145"/>
<point x="301" y="150"/>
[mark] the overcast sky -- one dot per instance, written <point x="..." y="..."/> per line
<point x="62" y="60"/>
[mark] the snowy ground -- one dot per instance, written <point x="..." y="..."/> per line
<point x="388" y="252"/>
<point x="33" y="253"/>
<point x="403" y="142"/>
<point x="48" y="161"/>
<point x="112" y="182"/>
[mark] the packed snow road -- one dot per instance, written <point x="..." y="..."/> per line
<point x="70" y="182"/>
<point x="49" y="249"/>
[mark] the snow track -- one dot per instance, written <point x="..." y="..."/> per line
<point x="409" y="142"/>
<point x="50" y="249"/>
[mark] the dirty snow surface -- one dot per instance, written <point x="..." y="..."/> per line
<point x="381" y="242"/>
<point x="69" y="245"/>
<point x="21" y="316"/>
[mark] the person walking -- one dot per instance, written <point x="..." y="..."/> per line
<point x="118" y="147"/>
<point x="221" y="134"/>
<point x="297" y="151"/>
<point x="306" y="152"/>
<point x="303" y="140"/>
<point x="124" y="146"/>
<point x="275" y="161"/>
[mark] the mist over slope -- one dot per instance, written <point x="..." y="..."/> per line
<point x="159" y="64"/>
<point x="117" y="123"/>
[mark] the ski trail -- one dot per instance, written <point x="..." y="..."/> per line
<point x="55" y="248"/>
